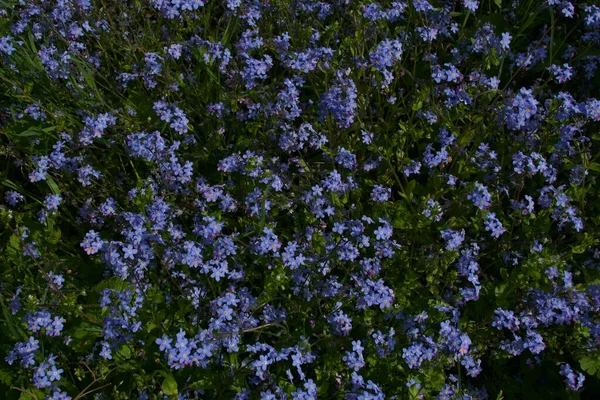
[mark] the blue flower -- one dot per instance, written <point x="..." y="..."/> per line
<point x="573" y="381"/>
<point x="13" y="198"/>
<point x="6" y="45"/>
<point x="340" y="100"/>
<point x="380" y="193"/>
<point x="52" y="202"/>
<point x="480" y="197"/>
<point x="453" y="238"/>
<point x="129" y="252"/>
<point x="471" y="5"/>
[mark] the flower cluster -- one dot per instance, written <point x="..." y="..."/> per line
<point x="300" y="199"/>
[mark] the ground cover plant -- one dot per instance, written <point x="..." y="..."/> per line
<point x="299" y="199"/>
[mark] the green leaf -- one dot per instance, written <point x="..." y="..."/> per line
<point x="499" y="291"/>
<point x="114" y="283"/>
<point x="169" y="386"/>
<point x="124" y="352"/>
<point x="14" y="243"/>
<point x="13" y="327"/>
<point x="6" y="377"/>
<point x="435" y="378"/>
<point x="53" y="186"/>
<point x="32" y="394"/>
<point x="410" y="188"/>
<point x="28" y="133"/>
<point x="10" y="184"/>
<point x="54" y="235"/>
<point x="590" y="364"/>
<point x="594" y="167"/>
<point x="413" y="392"/>
<point x="36" y="131"/>
<point x="200" y="384"/>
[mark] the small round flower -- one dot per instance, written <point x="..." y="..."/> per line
<point x="53" y="201"/>
<point x="13" y="198"/>
<point x="380" y="193"/>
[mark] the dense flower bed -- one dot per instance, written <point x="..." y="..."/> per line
<point x="284" y="199"/>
